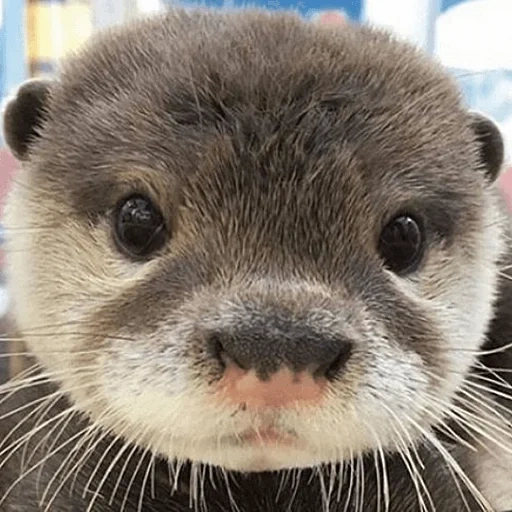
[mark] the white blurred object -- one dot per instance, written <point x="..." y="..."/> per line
<point x="475" y="38"/>
<point x="150" y="6"/>
<point x="413" y="20"/>
<point x="476" y="35"/>
<point x="112" y="12"/>
<point x="4" y="301"/>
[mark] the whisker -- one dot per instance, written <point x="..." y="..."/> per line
<point x="47" y="402"/>
<point x="481" y="391"/>
<point x="128" y="489"/>
<point x="25" y="374"/>
<point x="464" y="416"/>
<point x="124" y="447"/>
<point x="34" y="430"/>
<point x="87" y="438"/>
<point x="351" y="482"/>
<point x="17" y="443"/>
<point x="467" y="427"/>
<point x="478" y="352"/>
<point x="97" y="491"/>
<point x="484" y="401"/>
<point x="7" y="355"/>
<point x="496" y="381"/>
<point x="232" y="501"/>
<point x="323" y="490"/>
<point x="144" y="482"/>
<point x="488" y="390"/>
<point x="385" y="480"/>
<point x="97" y="466"/>
<point x="296" y="476"/>
<point x="38" y="464"/>
<point x="11" y="388"/>
<point x="495" y="369"/>
<point x="332" y="482"/>
<point x="454" y="464"/>
<point x="361" y="466"/>
<point x="59" y="393"/>
<point x="282" y="482"/>
<point x="491" y="376"/>
<point x="341" y="479"/>
<point x="65" y="463"/>
<point x="378" y="454"/>
<point x="63" y="422"/>
<point x="119" y="479"/>
<point x="192" y="496"/>
<point x="405" y="453"/>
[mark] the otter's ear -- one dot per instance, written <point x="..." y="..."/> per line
<point x="23" y="115"/>
<point x="492" y="147"/>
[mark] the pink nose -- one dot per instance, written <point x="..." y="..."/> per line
<point x="283" y="389"/>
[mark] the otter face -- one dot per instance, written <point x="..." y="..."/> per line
<point x="246" y="241"/>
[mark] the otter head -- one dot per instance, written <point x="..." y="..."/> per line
<point x="244" y="240"/>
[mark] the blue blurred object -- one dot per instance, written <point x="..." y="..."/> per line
<point x="13" y="63"/>
<point x="352" y="8"/>
<point x="13" y="67"/>
<point x="488" y="91"/>
<point x="491" y="93"/>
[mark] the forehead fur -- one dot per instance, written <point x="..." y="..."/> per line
<point x="264" y="102"/>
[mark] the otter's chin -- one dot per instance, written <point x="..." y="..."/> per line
<point x="260" y="458"/>
<point x="255" y="451"/>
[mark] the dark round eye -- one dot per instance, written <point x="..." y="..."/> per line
<point x="139" y="226"/>
<point x="401" y="244"/>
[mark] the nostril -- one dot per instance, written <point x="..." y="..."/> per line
<point x="219" y="349"/>
<point x="332" y="370"/>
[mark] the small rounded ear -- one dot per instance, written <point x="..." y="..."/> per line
<point x="23" y="115"/>
<point x="492" y="147"/>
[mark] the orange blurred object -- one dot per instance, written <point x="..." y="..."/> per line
<point x="506" y="186"/>
<point x="330" y="18"/>
<point x="8" y="167"/>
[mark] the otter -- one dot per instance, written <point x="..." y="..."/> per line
<point x="255" y="265"/>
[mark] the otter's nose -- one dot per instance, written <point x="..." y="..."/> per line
<point x="275" y="344"/>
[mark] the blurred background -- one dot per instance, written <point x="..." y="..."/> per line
<point x="472" y="38"/>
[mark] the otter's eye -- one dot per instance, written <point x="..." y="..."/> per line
<point x="401" y="244"/>
<point x="139" y="226"/>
